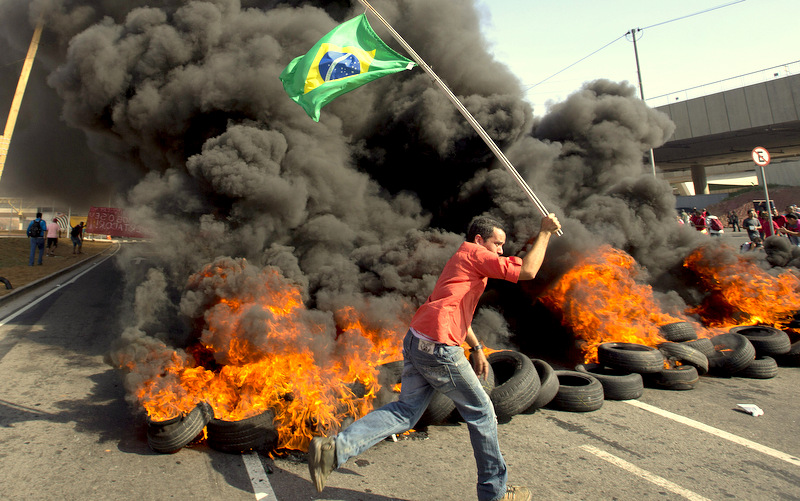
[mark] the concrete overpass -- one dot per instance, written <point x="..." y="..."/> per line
<point x="715" y="135"/>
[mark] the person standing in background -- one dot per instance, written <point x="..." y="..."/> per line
<point x="77" y="238"/>
<point x="733" y="221"/>
<point x="36" y="232"/>
<point x="752" y="225"/>
<point x="52" y="237"/>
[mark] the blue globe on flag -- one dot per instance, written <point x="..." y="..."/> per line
<point x="336" y="65"/>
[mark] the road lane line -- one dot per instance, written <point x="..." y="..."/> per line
<point x="258" y="477"/>
<point x="794" y="460"/>
<point x="639" y="472"/>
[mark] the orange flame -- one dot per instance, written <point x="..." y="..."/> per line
<point x="740" y="292"/>
<point x="263" y="350"/>
<point x="600" y="300"/>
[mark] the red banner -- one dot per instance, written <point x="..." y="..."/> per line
<point x="111" y="221"/>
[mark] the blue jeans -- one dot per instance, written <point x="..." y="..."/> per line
<point x="449" y="371"/>
<point x="36" y="243"/>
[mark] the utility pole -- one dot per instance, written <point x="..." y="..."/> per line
<point x="5" y="139"/>
<point x="641" y="89"/>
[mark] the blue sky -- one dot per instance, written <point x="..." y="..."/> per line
<point x="538" y="38"/>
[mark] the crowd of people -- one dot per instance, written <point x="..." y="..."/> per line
<point x="39" y="232"/>
<point x="756" y="224"/>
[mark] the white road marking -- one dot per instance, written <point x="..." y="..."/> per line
<point x="258" y="477"/>
<point x="717" y="432"/>
<point x="639" y="472"/>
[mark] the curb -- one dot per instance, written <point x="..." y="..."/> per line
<point x="52" y="276"/>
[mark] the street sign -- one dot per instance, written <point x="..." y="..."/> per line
<point x="760" y="156"/>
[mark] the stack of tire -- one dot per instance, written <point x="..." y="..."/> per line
<point x="768" y="346"/>
<point x="750" y="351"/>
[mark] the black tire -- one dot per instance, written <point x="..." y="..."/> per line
<point x="577" y="392"/>
<point x="678" y="331"/>
<point x="254" y="433"/>
<point x="682" y="377"/>
<point x="617" y="385"/>
<point x="516" y="380"/>
<point x="733" y="352"/>
<point x="703" y="345"/>
<point x="685" y="355"/>
<point x="630" y="357"/>
<point x="5" y="282"/>
<point x="172" y="435"/>
<point x="760" y="368"/>
<point x="548" y="384"/>
<point x="766" y="340"/>
<point x="791" y="359"/>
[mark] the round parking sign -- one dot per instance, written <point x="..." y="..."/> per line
<point x="760" y="156"/>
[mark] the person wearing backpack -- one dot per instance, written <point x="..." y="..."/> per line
<point x="36" y="232"/>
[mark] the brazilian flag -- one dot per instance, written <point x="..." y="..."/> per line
<point x="347" y="57"/>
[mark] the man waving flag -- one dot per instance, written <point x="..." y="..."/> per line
<point x="347" y="57"/>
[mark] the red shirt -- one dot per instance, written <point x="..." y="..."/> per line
<point x="448" y="312"/>
<point x="699" y="222"/>
<point x="765" y="227"/>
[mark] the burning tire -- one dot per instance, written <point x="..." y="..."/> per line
<point x="630" y="357"/>
<point x="254" y="433"/>
<point x="678" y="331"/>
<point x="172" y="435"/>
<point x="517" y="383"/>
<point x="685" y="355"/>
<point x="766" y="340"/>
<point x="617" y="385"/>
<point x="732" y="353"/>
<point x="548" y="386"/>
<point x="703" y="345"/>
<point x="577" y="392"/>
<point x="682" y="377"/>
<point x="760" y="368"/>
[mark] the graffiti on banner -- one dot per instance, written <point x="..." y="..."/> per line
<point x="111" y="221"/>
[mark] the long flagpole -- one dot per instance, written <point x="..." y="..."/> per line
<point x="465" y="112"/>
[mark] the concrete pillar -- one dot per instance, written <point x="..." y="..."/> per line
<point x="700" y="180"/>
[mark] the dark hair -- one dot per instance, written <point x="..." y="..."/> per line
<point x="39" y="215"/>
<point x="483" y="226"/>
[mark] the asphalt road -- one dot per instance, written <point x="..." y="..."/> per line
<point x="66" y="431"/>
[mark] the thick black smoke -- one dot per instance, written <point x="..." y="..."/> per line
<point x="183" y="112"/>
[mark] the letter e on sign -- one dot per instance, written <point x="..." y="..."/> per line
<point x="760" y="156"/>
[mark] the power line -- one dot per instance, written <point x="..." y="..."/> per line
<point x="573" y="64"/>
<point x="525" y="89"/>
<point x="695" y="14"/>
<point x="723" y="80"/>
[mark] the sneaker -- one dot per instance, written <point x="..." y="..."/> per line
<point x="321" y="460"/>
<point x="517" y="493"/>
